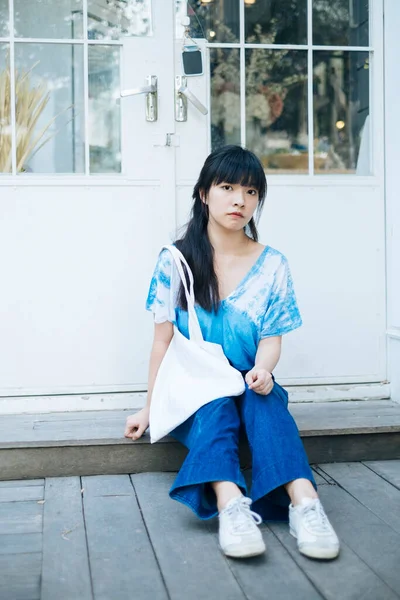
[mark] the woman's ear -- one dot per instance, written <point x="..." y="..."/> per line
<point x="203" y="196"/>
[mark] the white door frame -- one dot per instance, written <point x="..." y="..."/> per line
<point x="392" y="155"/>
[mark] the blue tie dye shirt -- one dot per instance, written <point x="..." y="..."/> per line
<point x="263" y="305"/>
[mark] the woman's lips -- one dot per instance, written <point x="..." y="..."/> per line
<point x="238" y="215"/>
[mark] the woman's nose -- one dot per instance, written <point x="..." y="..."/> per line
<point x="239" y="199"/>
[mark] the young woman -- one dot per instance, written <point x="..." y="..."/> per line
<point x="244" y="301"/>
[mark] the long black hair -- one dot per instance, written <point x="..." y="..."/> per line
<point x="230" y="164"/>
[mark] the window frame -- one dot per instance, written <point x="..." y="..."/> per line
<point x="376" y="96"/>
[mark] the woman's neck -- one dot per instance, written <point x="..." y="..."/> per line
<point x="227" y="242"/>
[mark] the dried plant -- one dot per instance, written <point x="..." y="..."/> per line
<point x="30" y="102"/>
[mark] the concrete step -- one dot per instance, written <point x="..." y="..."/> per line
<point x="92" y="442"/>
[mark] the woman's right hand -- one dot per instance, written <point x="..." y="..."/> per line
<point x="137" y="424"/>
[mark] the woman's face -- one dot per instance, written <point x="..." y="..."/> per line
<point x="231" y="205"/>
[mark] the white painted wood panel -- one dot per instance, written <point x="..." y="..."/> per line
<point x="76" y="274"/>
<point x="334" y="239"/>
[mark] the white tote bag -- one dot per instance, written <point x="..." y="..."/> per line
<point x="193" y="372"/>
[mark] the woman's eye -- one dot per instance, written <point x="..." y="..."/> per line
<point x="252" y="192"/>
<point x="226" y="187"/>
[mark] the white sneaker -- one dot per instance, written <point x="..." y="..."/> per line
<point x="310" y="525"/>
<point x="239" y="535"/>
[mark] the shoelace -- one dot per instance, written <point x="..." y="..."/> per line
<point x="243" y="519"/>
<point x="316" y="518"/>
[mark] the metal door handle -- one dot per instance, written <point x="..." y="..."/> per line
<point x="151" y="91"/>
<point x="182" y="95"/>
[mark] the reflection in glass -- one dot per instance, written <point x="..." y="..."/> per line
<point x="341" y="108"/>
<point x="5" y="111"/>
<point x="104" y="109"/>
<point x="48" y="19"/>
<point x="225" y="96"/>
<point x="340" y="22"/>
<point x="276" y="108"/>
<point x="114" y="19"/>
<point x="49" y="108"/>
<point x="217" y="21"/>
<point x="4" y="18"/>
<point x="276" y="22"/>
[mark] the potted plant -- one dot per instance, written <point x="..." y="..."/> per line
<point x="30" y="101"/>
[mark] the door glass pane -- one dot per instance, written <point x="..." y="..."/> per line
<point x="104" y="109"/>
<point x="215" y="20"/>
<point x="276" y="22"/>
<point x="114" y="19"/>
<point x="341" y="109"/>
<point x="5" y="111"/>
<point x="225" y="96"/>
<point x="48" y="19"/>
<point x="276" y="109"/>
<point x="49" y="108"/>
<point x="340" y="22"/>
<point x="4" y="18"/>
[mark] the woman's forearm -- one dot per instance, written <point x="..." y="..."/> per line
<point x="268" y="353"/>
<point x="157" y="354"/>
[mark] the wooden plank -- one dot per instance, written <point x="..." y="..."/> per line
<point x="96" y="458"/>
<point x="333" y="418"/>
<point x="345" y="578"/>
<point x="388" y="469"/>
<point x="377" y="544"/>
<point x="319" y="414"/>
<point x="66" y="572"/>
<point x="20" y="543"/>
<point x="187" y="551"/>
<point x="327" y="418"/>
<point x="21" y="517"/>
<point x="274" y="576"/>
<point x="20" y="577"/>
<point x="16" y="421"/>
<point x="21" y="494"/>
<point x="22" y="483"/>
<point x="90" y="460"/>
<point x="86" y="437"/>
<point x="369" y="489"/>
<point x="104" y="485"/>
<point x="355" y="447"/>
<point x="84" y="415"/>
<point x="121" y="557"/>
<point x="320" y="477"/>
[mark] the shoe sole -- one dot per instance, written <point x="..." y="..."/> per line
<point x="321" y="553"/>
<point x="244" y="553"/>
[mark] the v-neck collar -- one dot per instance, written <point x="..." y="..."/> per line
<point x="245" y="279"/>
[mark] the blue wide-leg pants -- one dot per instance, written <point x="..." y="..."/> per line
<point x="212" y="438"/>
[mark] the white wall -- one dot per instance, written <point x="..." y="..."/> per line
<point x="392" y="139"/>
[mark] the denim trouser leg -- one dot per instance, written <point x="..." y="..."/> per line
<point x="278" y="455"/>
<point x="211" y="435"/>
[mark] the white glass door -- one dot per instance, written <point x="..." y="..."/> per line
<point x="300" y="82"/>
<point x="86" y="189"/>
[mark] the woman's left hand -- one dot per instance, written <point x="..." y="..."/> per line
<point x="260" y="381"/>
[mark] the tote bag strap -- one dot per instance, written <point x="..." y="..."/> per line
<point x="193" y="322"/>
<point x="179" y="259"/>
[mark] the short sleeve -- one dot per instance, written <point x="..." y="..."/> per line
<point x="161" y="298"/>
<point x="282" y="314"/>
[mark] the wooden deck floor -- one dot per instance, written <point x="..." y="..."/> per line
<point x="112" y="537"/>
